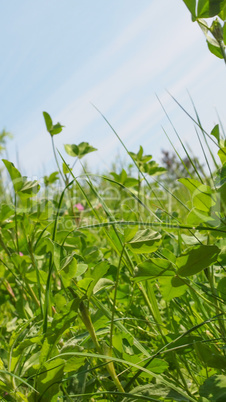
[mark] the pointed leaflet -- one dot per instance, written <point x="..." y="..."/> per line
<point x="69" y="270"/>
<point x="53" y="129"/>
<point x="216" y="50"/>
<point x="22" y="186"/>
<point x="14" y="174"/>
<point x="139" y="157"/>
<point x="145" y="241"/>
<point x="79" y="150"/>
<point x="29" y="188"/>
<point x="191" y="5"/>
<point x="98" y="272"/>
<point x="48" y="121"/>
<point x="216" y="132"/>
<point x="196" y="258"/>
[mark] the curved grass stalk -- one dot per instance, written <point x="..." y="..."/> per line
<point x="153" y="224"/>
<point x="204" y="136"/>
<point x="181" y="142"/>
<point x="48" y="283"/>
<point x="124" y="395"/>
<point x="125" y="362"/>
<point x="161" y="350"/>
<point x="196" y="123"/>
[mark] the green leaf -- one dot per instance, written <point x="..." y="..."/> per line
<point x="191" y="5"/>
<point x="69" y="270"/>
<point x="209" y="8"/>
<point x="32" y="276"/>
<point x="210" y="356"/>
<point x="196" y="217"/>
<point x="214" y="388"/>
<point x="168" y="290"/>
<point x="224" y="28"/>
<point x="176" y="282"/>
<point x="222" y="288"/>
<point x="48" y="381"/>
<point x="66" y="168"/>
<point x="153" y="267"/>
<point x="55" y="249"/>
<point x="103" y="283"/>
<point x="216" y="132"/>
<point x="185" y="344"/>
<point x="216" y="7"/>
<point x="79" y="150"/>
<point x="202" y="195"/>
<point x="145" y="241"/>
<point x="24" y="188"/>
<point x="98" y="272"/>
<point x="123" y="179"/>
<point x="48" y="121"/>
<point x="74" y="364"/>
<point x="222" y="15"/>
<point x="222" y="155"/>
<point x="14" y="175"/>
<point x="203" y="9"/>
<point x="57" y="128"/>
<point x="139" y="157"/>
<point x="158" y="366"/>
<point x="51" y="178"/>
<point x="152" y="168"/>
<point x="197" y="258"/>
<point x="81" y="269"/>
<point x="216" y="50"/>
<point x="29" y="189"/>
<point x="53" y="129"/>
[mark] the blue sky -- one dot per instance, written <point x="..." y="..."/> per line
<point x="60" y="57"/>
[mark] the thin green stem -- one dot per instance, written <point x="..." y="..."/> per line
<point x="115" y="297"/>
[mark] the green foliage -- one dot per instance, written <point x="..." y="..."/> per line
<point x="79" y="150"/>
<point x="53" y="129"/>
<point x="200" y="9"/>
<point x="115" y="289"/>
<point x="22" y="187"/>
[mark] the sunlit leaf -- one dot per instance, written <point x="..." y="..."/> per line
<point x="79" y="150"/>
<point x="152" y="268"/>
<point x="145" y="241"/>
<point x="214" y="388"/>
<point x="195" y="259"/>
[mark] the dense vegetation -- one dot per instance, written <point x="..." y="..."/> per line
<point x="113" y="287"/>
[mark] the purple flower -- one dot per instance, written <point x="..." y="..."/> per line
<point x="79" y="207"/>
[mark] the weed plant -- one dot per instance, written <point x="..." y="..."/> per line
<point x="113" y="287"/>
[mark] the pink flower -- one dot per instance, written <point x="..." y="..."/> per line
<point x="20" y="253"/>
<point x="79" y="207"/>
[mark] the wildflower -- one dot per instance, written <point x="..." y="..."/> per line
<point x="79" y="207"/>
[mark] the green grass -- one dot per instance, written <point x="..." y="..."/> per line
<point x="120" y="298"/>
